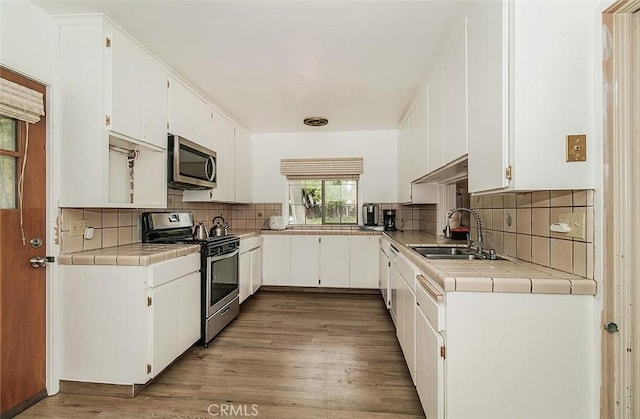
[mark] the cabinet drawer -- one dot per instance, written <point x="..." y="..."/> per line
<point x="250" y="243"/>
<point x="163" y="272"/>
<point x="430" y="301"/>
<point x="407" y="271"/>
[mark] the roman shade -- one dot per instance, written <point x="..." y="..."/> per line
<point x="342" y="168"/>
<point x="20" y="102"/>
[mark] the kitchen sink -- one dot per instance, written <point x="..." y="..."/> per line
<point x="446" y="252"/>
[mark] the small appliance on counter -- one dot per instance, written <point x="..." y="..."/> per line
<point x="276" y="222"/>
<point x="370" y="214"/>
<point x="389" y="219"/>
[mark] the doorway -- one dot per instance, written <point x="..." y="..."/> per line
<point x="22" y="237"/>
<point x="620" y="391"/>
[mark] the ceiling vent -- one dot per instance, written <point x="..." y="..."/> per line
<point x="316" y="121"/>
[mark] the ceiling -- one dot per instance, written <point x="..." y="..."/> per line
<point x="270" y="64"/>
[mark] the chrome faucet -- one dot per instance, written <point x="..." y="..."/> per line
<point x="478" y="244"/>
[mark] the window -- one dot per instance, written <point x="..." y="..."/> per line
<point x="8" y="161"/>
<point x="315" y="201"/>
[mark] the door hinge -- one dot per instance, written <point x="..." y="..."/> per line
<point x="148" y="368"/>
<point x="443" y="352"/>
<point x="167" y="126"/>
<point x="107" y="120"/>
<point x="149" y="301"/>
<point x="507" y="172"/>
<point x="107" y="42"/>
<point x="318" y="282"/>
<point x="168" y="83"/>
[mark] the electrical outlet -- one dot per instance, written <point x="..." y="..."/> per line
<point x="77" y="227"/>
<point x="576" y="220"/>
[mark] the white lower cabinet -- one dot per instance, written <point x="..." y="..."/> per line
<point x="249" y="267"/>
<point x="276" y="263"/>
<point x="334" y="261"/>
<point x="325" y="261"/>
<point x="125" y="324"/>
<point x="363" y="261"/>
<point x="490" y="355"/>
<point x="305" y="261"/>
<point x="405" y="320"/>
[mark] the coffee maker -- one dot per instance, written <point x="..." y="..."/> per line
<point x="389" y="219"/>
<point x="370" y="214"/>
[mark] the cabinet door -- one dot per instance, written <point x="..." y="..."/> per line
<point x="242" y="166"/>
<point x="189" y="116"/>
<point x="410" y="331"/>
<point x="429" y="368"/>
<point x="155" y="102"/>
<point x="436" y="116"/>
<point x="404" y="184"/>
<point x="455" y="93"/>
<point x="305" y="261"/>
<point x="126" y="86"/>
<point x="363" y="262"/>
<point x="334" y="261"/>
<point x="244" y="275"/>
<point x="256" y="268"/>
<point x="276" y="263"/>
<point x="223" y="145"/>
<point x="190" y="301"/>
<point x="165" y="325"/>
<point x="418" y="141"/>
<point x="400" y="308"/>
<point x="383" y="282"/>
<point x="487" y="95"/>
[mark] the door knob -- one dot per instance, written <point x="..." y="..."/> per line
<point x="40" y="262"/>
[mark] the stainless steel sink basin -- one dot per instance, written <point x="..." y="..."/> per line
<point x="445" y="252"/>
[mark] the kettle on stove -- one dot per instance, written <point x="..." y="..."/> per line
<point x="220" y="228"/>
<point x="200" y="232"/>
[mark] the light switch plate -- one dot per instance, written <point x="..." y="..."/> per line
<point x="77" y="227"/>
<point x="578" y="225"/>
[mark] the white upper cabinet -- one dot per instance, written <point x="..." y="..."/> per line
<point x="138" y="92"/>
<point x="455" y="93"/>
<point x="189" y="115"/>
<point x="243" y="170"/>
<point x="418" y="145"/>
<point x="435" y="101"/>
<point x="404" y="183"/>
<point x="224" y="134"/>
<point x="115" y="151"/>
<point x="530" y="85"/>
<point x="488" y="100"/>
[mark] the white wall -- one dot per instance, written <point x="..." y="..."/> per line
<point x="27" y="40"/>
<point x="378" y="149"/>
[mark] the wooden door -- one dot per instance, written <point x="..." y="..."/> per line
<point x="22" y="287"/>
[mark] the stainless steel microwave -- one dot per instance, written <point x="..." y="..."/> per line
<point x="190" y="165"/>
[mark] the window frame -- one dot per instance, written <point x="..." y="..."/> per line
<point x="323" y="221"/>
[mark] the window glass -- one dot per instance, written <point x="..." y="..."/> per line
<point x="323" y="202"/>
<point x="7" y="133"/>
<point x="7" y="182"/>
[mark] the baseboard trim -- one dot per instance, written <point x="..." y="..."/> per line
<point x="319" y="290"/>
<point x="21" y="407"/>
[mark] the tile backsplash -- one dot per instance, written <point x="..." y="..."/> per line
<point x="517" y="225"/>
<point x="115" y="227"/>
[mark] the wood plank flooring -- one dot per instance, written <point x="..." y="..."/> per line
<point x="287" y="355"/>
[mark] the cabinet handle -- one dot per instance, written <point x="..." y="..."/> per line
<point x="431" y="290"/>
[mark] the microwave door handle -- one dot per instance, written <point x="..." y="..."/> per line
<point x="209" y="168"/>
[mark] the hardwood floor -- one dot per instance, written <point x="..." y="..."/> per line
<point x="287" y="355"/>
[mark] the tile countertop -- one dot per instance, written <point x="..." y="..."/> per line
<point x="488" y="275"/>
<point x="137" y="254"/>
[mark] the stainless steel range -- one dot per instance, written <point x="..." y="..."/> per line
<point x="219" y="266"/>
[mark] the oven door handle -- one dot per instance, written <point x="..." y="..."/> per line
<point x="225" y="256"/>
